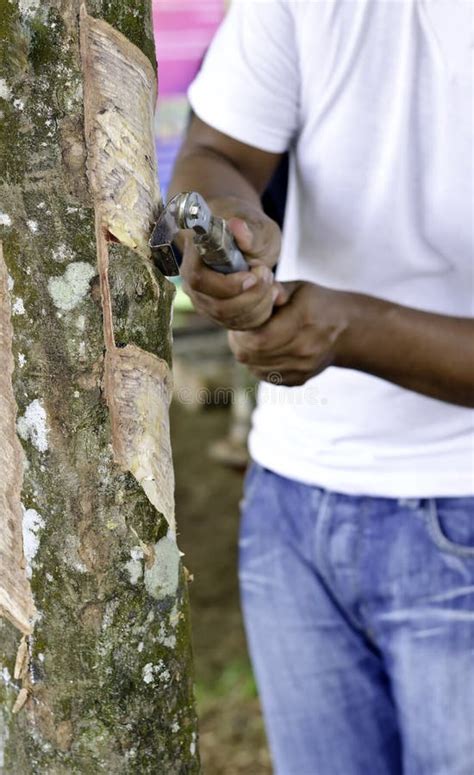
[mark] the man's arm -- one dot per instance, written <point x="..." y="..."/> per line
<point x="422" y="351"/>
<point x="311" y="327"/>
<point x="319" y="327"/>
<point x="231" y="176"/>
<point x="221" y="167"/>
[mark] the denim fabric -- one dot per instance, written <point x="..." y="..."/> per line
<point x="359" y="614"/>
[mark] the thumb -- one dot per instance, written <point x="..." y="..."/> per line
<point x="258" y="237"/>
<point x="242" y="233"/>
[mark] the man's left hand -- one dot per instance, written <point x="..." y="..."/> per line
<point x="301" y="339"/>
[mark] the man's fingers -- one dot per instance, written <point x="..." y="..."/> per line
<point x="266" y="345"/>
<point x="242" y="300"/>
<point x="249" y="310"/>
<point x="216" y="286"/>
<point x="200" y="278"/>
<point x="253" y="315"/>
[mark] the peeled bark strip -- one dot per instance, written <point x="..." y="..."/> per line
<point x="119" y="99"/>
<point x="119" y="102"/>
<point x="103" y="682"/>
<point x="138" y="389"/>
<point x="16" y="601"/>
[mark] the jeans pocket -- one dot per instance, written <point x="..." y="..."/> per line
<point x="451" y="525"/>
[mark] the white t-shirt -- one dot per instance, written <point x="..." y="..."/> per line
<point x="374" y="99"/>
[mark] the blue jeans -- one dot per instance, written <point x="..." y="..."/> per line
<point x="359" y="614"/>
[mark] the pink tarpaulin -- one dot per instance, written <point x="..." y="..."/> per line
<point x="183" y="31"/>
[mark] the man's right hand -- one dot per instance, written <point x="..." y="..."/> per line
<point x="243" y="300"/>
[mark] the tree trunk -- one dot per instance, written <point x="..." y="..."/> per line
<point x="95" y="672"/>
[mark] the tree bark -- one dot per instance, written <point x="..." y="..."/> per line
<point x="95" y="657"/>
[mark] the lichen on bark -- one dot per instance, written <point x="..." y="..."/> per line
<point x="109" y="677"/>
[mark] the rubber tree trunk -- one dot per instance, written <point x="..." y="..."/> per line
<point x="95" y="672"/>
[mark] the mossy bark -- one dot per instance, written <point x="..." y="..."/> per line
<point x="109" y="673"/>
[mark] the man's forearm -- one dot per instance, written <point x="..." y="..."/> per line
<point x="215" y="177"/>
<point x="318" y="327"/>
<point x="222" y="168"/>
<point x="425" y="352"/>
<point x="231" y="176"/>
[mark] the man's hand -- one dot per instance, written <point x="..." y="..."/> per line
<point x="243" y="300"/>
<point x="301" y="339"/>
<point x="317" y="327"/>
<point x="429" y="353"/>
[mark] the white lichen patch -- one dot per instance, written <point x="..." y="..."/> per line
<point x="33" y="226"/>
<point x="19" y="104"/>
<point x="71" y="288"/>
<point x="32" y="525"/>
<point x="28" y="6"/>
<point x="4" y="735"/>
<point x="136" y="553"/>
<point x="153" y="672"/>
<point x="134" y="566"/>
<point x="10" y="282"/>
<point x="140" y="647"/>
<point x="148" y="673"/>
<point x="21" y="360"/>
<point x="62" y="253"/>
<point x="135" y="571"/>
<point x="164" y="675"/>
<point x="33" y="427"/>
<point x="18" y="308"/>
<point x="5" y="219"/>
<point x="169" y="641"/>
<point x="162" y="579"/>
<point x="5" y="91"/>
<point x="192" y="747"/>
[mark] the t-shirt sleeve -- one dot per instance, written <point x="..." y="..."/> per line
<point x="248" y="86"/>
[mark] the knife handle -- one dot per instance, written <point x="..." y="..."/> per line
<point x="219" y="250"/>
<point x="213" y="239"/>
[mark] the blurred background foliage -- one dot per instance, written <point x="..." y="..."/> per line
<point x="208" y="495"/>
